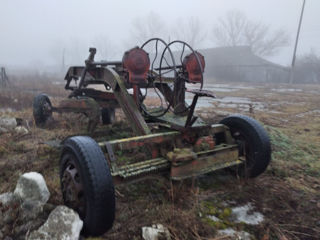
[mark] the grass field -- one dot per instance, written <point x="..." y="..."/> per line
<point x="287" y="194"/>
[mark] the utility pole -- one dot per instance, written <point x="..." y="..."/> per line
<point x="296" y="43"/>
<point x="63" y="60"/>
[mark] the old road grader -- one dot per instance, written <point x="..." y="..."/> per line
<point x="173" y="140"/>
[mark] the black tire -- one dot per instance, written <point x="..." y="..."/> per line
<point x="254" y="144"/>
<point x="108" y="115"/>
<point x="42" y="109"/>
<point x="94" y="199"/>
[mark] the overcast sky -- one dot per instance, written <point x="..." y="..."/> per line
<point x="35" y="32"/>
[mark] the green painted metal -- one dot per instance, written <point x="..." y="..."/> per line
<point x="135" y="169"/>
<point x="221" y="157"/>
<point x="128" y="143"/>
<point x="127" y="104"/>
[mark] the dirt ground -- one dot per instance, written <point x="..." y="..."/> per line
<point x="287" y="194"/>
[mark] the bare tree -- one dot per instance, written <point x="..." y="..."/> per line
<point x="106" y="49"/>
<point x="146" y="27"/>
<point x="307" y="69"/>
<point x="191" y="31"/>
<point x="235" y="29"/>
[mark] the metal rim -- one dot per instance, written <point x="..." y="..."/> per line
<point x="46" y="109"/>
<point x="72" y="187"/>
<point x="245" y="150"/>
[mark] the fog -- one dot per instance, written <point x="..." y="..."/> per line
<point x="37" y="33"/>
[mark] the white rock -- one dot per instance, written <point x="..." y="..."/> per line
<point x="6" y="198"/>
<point x="30" y="210"/>
<point x="32" y="187"/>
<point x="62" y="224"/>
<point x="3" y="130"/>
<point x="247" y="215"/>
<point x="21" y="130"/>
<point x="155" y="232"/>
<point x="8" y="123"/>
<point x="235" y="235"/>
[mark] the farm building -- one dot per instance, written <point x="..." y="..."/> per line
<point x="241" y="64"/>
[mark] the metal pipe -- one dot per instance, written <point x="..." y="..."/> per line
<point x="106" y="63"/>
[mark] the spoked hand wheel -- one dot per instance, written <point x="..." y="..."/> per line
<point x="156" y="75"/>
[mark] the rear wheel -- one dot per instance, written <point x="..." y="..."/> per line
<point x="42" y="109"/>
<point x="86" y="184"/>
<point x="108" y="115"/>
<point x="254" y="144"/>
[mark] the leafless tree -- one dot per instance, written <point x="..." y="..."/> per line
<point x="191" y="31"/>
<point x="235" y="29"/>
<point x="146" y="27"/>
<point x="307" y="68"/>
<point x="106" y="49"/>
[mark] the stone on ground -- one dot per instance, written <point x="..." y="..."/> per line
<point x="63" y="223"/>
<point x="32" y="187"/>
<point x="8" y="123"/>
<point x="21" y="130"/>
<point x="156" y="232"/>
<point x="6" y="198"/>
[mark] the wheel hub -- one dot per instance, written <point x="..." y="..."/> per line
<point x="72" y="189"/>
<point x="47" y="109"/>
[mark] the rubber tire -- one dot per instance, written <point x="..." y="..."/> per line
<point x="259" y="142"/>
<point x="97" y="183"/>
<point x="40" y="117"/>
<point x="108" y="115"/>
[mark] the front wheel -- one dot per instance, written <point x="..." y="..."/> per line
<point x="42" y="109"/>
<point x="254" y="144"/>
<point x="86" y="184"/>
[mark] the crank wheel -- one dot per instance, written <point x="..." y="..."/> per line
<point x="86" y="184"/>
<point x="253" y="142"/>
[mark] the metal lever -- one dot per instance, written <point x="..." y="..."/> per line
<point x="88" y="62"/>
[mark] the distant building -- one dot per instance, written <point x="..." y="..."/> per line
<point x="241" y="64"/>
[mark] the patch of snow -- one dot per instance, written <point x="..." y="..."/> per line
<point x="316" y="112"/>
<point x="214" y="218"/>
<point x="241" y="235"/>
<point x="247" y="215"/>
<point x="286" y="90"/>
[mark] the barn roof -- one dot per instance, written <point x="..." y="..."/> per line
<point x="234" y="56"/>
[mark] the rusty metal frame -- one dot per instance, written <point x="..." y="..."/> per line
<point x="182" y="166"/>
<point x="180" y="127"/>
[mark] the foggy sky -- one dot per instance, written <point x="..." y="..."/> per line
<point x="36" y="32"/>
